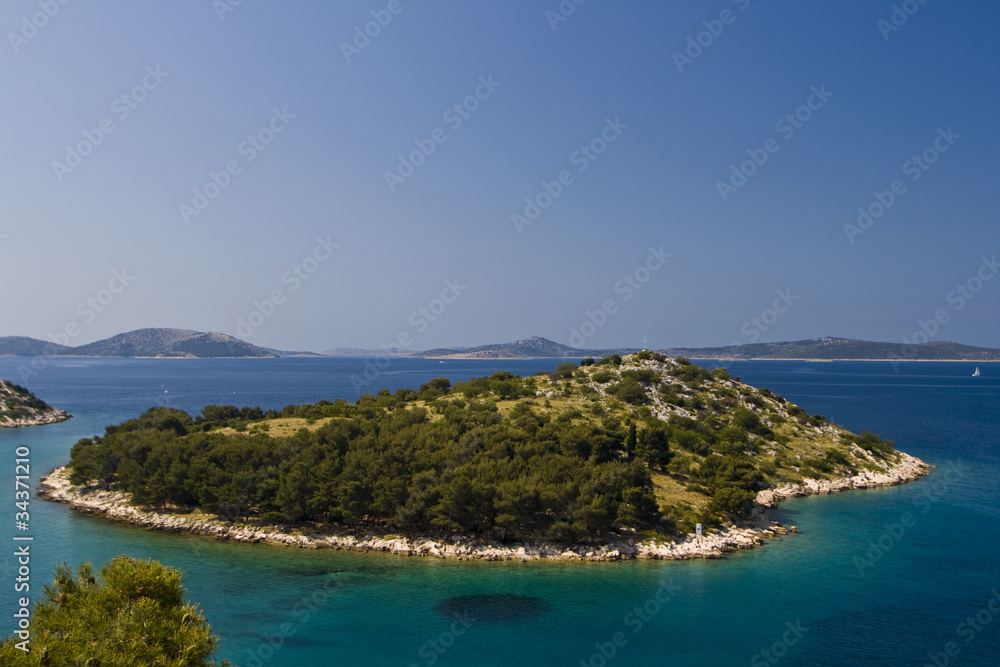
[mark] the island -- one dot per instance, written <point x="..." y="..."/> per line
<point x="19" y="407"/>
<point x="621" y="457"/>
<point x="155" y="342"/>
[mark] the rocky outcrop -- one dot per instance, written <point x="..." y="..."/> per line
<point x="19" y="407"/>
<point x="713" y="544"/>
<point x="907" y="469"/>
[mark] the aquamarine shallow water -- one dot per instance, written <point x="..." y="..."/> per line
<point x="328" y="608"/>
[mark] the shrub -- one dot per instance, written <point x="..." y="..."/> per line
<point x="738" y="503"/>
<point x="629" y="391"/>
<point x="132" y="613"/>
<point x="601" y="377"/>
<point x="566" y="370"/>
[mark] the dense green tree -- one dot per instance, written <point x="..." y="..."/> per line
<point x="131" y="615"/>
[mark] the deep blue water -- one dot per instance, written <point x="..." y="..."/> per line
<point x="806" y="599"/>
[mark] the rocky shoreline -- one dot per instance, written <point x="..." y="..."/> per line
<point x="19" y="407"/>
<point x="49" y="417"/>
<point x="115" y="505"/>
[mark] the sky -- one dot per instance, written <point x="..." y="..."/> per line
<point x="309" y="175"/>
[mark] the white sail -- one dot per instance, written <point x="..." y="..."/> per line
<point x="976" y="374"/>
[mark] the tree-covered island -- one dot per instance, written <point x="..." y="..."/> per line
<point x="633" y="450"/>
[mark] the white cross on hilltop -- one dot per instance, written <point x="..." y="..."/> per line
<point x="644" y="342"/>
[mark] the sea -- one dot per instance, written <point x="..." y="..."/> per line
<point x="907" y="575"/>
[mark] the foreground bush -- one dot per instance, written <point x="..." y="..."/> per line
<point x="134" y="616"/>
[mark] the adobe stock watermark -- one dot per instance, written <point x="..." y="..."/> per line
<point x="900" y="14"/>
<point x="223" y="7"/>
<point x="696" y="44"/>
<point x="32" y="24"/>
<point x="779" y="649"/>
<point x="562" y="12"/>
<point x="122" y="107"/>
<point x="635" y="620"/>
<point x="454" y="116"/>
<point x="363" y="35"/>
<point x="581" y="158"/>
<point x="893" y="533"/>
<point x="786" y="126"/>
<point x="432" y="650"/>
<point x="88" y="311"/>
<point x="915" y="167"/>
<point x="420" y="320"/>
<point x="629" y="284"/>
<point x="295" y="276"/>
<point x="967" y="630"/>
<point x="300" y="614"/>
<point x="957" y="298"/>
<point x="759" y="324"/>
<point x="248" y="149"/>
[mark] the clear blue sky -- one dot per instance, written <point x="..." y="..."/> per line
<point x="609" y="68"/>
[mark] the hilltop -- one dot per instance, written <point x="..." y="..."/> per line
<point x="620" y="457"/>
<point x="19" y="407"/>
<point x="153" y="342"/>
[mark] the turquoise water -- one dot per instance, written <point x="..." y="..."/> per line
<point x="806" y="599"/>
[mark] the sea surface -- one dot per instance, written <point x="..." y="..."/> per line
<point x="896" y="576"/>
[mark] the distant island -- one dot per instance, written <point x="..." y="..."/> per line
<point x="826" y="349"/>
<point x="621" y="457"/>
<point x="19" y="407"/>
<point x="528" y="348"/>
<point x="846" y="349"/>
<point x="185" y="343"/>
<point x="177" y="343"/>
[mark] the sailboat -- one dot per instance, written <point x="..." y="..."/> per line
<point x="976" y="374"/>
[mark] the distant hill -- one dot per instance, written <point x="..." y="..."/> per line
<point x="171" y="343"/>
<point x="528" y="348"/>
<point x="814" y="348"/>
<point x="146" y="343"/>
<point x="840" y="348"/>
<point x="22" y="346"/>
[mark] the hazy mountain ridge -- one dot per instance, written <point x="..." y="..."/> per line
<point x="528" y="348"/>
<point x="152" y="342"/>
<point x="186" y="343"/>
<point x="841" y="348"/>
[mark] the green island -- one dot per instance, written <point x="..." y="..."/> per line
<point x="19" y="407"/>
<point x="615" y="458"/>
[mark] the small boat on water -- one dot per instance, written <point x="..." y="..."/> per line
<point x="976" y="374"/>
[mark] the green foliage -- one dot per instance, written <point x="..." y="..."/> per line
<point x="737" y="503"/>
<point x="469" y="471"/>
<point x="134" y="615"/>
<point x="613" y="360"/>
<point x="689" y="373"/>
<point x="642" y="375"/>
<point x="589" y="361"/>
<point x="565" y="371"/>
<point x="603" y="377"/>
<point x="874" y="444"/>
<point x="629" y="391"/>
